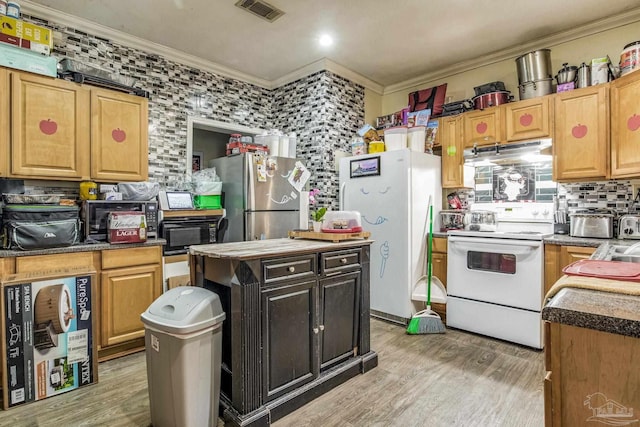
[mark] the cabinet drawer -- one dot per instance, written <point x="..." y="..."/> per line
<point x="29" y="264"/>
<point x="336" y="262"/>
<point x="440" y="244"/>
<point x="287" y="268"/>
<point x="117" y="258"/>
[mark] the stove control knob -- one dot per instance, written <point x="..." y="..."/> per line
<point x="545" y="212"/>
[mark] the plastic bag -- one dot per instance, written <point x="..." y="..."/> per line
<point x="138" y="190"/>
<point x="206" y="182"/>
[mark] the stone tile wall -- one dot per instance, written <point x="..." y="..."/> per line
<point x="323" y="109"/>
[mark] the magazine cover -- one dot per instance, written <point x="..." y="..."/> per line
<point x="47" y="336"/>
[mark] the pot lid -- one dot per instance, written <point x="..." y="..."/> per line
<point x="567" y="67"/>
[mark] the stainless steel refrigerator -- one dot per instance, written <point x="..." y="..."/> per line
<point x="260" y="202"/>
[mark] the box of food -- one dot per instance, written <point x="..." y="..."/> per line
<point x="126" y="227"/>
<point x="48" y="324"/>
<point x="29" y="32"/>
<point x="600" y="70"/>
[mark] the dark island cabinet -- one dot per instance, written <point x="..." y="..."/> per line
<point x="297" y="322"/>
<point x="288" y="340"/>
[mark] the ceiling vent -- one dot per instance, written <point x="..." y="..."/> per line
<point x="260" y="8"/>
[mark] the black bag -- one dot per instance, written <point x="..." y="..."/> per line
<point x="28" y="227"/>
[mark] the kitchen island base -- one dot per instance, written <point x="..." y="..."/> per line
<point x="297" y="321"/>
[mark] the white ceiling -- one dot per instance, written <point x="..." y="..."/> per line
<point x="385" y="41"/>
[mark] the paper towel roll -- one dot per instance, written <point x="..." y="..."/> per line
<point x="304" y="210"/>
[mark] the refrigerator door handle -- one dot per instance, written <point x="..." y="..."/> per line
<point x="343" y="188"/>
<point x="250" y="185"/>
<point x="249" y="226"/>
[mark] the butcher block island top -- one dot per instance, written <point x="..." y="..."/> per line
<point x="271" y="247"/>
<point x="297" y="321"/>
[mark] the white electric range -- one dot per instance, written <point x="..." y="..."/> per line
<point x="495" y="279"/>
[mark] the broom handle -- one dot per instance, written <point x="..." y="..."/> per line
<point x="430" y="240"/>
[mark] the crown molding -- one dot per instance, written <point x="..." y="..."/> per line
<point x="512" y="53"/>
<point x="128" y="40"/>
<point x="328" y="65"/>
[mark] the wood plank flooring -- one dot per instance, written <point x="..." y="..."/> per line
<point x="453" y="379"/>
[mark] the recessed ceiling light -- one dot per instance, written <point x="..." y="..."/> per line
<point x="326" y="40"/>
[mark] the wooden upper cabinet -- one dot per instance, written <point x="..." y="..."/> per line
<point x="625" y="126"/>
<point x="5" y="113"/>
<point x="119" y="136"/>
<point x="581" y="134"/>
<point x="49" y="128"/>
<point x="451" y="139"/>
<point x="483" y="127"/>
<point x="528" y="119"/>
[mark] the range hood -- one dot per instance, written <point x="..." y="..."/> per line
<point x="519" y="152"/>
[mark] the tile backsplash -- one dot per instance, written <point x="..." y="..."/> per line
<point x="615" y="195"/>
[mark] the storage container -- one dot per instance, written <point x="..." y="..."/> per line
<point x="416" y="137"/>
<point x="342" y="222"/>
<point x="376" y="147"/>
<point x="395" y="138"/>
<point x="207" y="201"/>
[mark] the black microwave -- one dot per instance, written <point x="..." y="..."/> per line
<point x="182" y="232"/>
<point x="95" y="215"/>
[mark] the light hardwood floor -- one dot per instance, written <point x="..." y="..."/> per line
<point x="454" y="379"/>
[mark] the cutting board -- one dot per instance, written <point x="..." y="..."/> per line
<point x="615" y="270"/>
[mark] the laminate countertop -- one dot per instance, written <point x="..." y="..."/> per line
<point x="271" y="247"/>
<point x="83" y="247"/>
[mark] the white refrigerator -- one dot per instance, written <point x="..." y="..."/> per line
<point x="391" y="191"/>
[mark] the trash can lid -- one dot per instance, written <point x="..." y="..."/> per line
<point x="184" y="310"/>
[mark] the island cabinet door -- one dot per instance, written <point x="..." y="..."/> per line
<point x="289" y="337"/>
<point x="339" y="315"/>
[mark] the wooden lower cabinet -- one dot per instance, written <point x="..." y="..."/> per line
<point x="130" y="280"/>
<point x="591" y="377"/>
<point x="439" y="269"/>
<point x="557" y="257"/>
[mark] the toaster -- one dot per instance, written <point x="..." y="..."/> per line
<point x="629" y="227"/>
<point x="591" y="224"/>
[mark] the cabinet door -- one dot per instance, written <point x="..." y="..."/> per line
<point x="338" y="322"/>
<point x="625" y="126"/>
<point x="119" y="136"/>
<point x="569" y="254"/>
<point x="289" y="341"/>
<point x="5" y="114"/>
<point x="483" y="127"/>
<point x="581" y="134"/>
<point x="528" y="119"/>
<point x="49" y="128"/>
<point x="126" y="293"/>
<point x="452" y="160"/>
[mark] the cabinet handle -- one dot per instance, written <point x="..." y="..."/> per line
<point x="322" y="327"/>
<point x="291" y="269"/>
<point x="315" y="330"/>
<point x="343" y="260"/>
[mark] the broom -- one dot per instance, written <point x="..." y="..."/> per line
<point x="427" y="321"/>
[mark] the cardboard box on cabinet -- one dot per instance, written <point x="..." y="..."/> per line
<point x="34" y="34"/>
<point x="48" y="343"/>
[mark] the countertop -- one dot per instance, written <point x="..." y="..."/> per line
<point x="602" y="311"/>
<point x="84" y="247"/>
<point x="271" y="247"/>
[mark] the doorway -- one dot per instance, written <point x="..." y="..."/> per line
<point x="207" y="140"/>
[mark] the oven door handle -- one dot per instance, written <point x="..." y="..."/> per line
<point x="516" y="247"/>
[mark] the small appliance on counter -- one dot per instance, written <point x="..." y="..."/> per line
<point x="597" y="224"/>
<point x="629" y="227"/>
<point x="452" y="219"/>
<point x="480" y="220"/>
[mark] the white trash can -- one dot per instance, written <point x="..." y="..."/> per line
<point x="183" y="339"/>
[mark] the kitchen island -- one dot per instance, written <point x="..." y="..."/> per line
<point x="592" y="348"/>
<point x="297" y="321"/>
